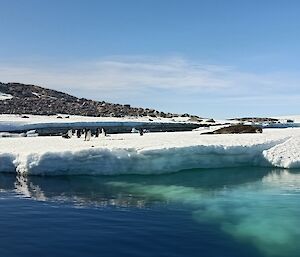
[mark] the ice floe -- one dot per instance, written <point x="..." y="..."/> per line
<point x="153" y="153"/>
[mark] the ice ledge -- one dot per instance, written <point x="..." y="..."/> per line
<point x="152" y="154"/>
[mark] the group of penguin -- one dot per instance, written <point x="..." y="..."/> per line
<point x="86" y="132"/>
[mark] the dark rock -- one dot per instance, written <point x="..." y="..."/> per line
<point x="255" y="119"/>
<point x="236" y="129"/>
<point x="195" y="119"/>
<point x="185" y="115"/>
<point x="211" y="120"/>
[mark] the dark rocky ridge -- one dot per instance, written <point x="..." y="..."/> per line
<point x="255" y="119"/>
<point x="36" y="100"/>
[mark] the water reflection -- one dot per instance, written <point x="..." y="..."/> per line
<point x="125" y="190"/>
<point x="253" y="205"/>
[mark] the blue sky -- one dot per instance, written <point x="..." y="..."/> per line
<point x="211" y="58"/>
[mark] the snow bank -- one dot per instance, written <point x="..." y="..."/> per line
<point x="286" y="154"/>
<point x="149" y="154"/>
<point x="4" y="96"/>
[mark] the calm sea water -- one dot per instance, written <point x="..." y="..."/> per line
<point x="218" y="212"/>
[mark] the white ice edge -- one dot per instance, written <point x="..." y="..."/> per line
<point x="153" y="153"/>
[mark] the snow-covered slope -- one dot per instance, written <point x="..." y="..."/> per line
<point x="151" y="153"/>
<point x="4" y="96"/>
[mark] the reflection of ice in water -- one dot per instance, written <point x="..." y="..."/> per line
<point x="262" y="210"/>
<point x="27" y="189"/>
<point x="288" y="182"/>
<point x="80" y="195"/>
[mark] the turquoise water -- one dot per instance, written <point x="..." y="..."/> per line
<point x="208" y="212"/>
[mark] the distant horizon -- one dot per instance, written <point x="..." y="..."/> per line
<point x="209" y="58"/>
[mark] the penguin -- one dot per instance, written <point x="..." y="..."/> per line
<point x="78" y="133"/>
<point x="97" y="132"/>
<point x="103" y="132"/>
<point x="141" y="132"/>
<point x="88" y="135"/>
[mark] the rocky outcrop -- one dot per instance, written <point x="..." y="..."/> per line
<point x="236" y="129"/>
<point x="255" y="119"/>
<point x="31" y="99"/>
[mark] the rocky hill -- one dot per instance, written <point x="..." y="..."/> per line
<point x="17" y="98"/>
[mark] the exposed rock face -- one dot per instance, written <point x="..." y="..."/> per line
<point x="31" y="99"/>
<point x="236" y="129"/>
<point x="211" y="121"/>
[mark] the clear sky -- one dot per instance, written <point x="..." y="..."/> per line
<point x="207" y="57"/>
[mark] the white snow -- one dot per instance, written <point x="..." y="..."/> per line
<point x="295" y="118"/>
<point x="36" y="94"/>
<point x="4" y="96"/>
<point x="286" y="154"/>
<point x="151" y="153"/>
